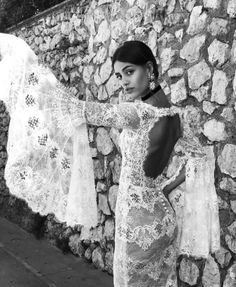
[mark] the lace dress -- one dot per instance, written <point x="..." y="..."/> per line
<point x="146" y="230"/>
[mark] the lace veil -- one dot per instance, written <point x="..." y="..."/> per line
<point x="49" y="162"/>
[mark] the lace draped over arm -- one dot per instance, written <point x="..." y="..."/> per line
<point x="201" y="229"/>
<point x="197" y="212"/>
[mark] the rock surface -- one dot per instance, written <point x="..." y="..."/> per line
<point x="178" y="91"/>
<point x="103" y="140"/>
<point x="189" y="272"/>
<point x="191" y="50"/>
<point x="198" y="75"/>
<point x="215" y="130"/>
<point x="211" y="274"/>
<point x="197" y="21"/>
<point x="227" y="160"/>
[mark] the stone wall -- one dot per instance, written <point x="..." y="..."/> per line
<point x="194" y="42"/>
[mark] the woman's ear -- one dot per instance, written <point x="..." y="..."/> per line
<point x="149" y="66"/>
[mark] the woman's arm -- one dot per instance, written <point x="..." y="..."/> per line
<point x="173" y="184"/>
<point x="123" y="115"/>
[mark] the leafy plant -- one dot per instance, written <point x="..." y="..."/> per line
<point x="14" y="11"/>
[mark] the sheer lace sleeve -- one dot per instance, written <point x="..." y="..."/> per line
<point x="129" y="115"/>
<point x="123" y="115"/>
<point x="65" y="104"/>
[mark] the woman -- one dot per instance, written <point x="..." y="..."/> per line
<point x="146" y="228"/>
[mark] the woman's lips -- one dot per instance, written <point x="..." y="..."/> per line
<point x="129" y="90"/>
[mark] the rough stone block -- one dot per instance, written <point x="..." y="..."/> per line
<point x="191" y="50"/>
<point x="219" y="84"/>
<point x="215" y="130"/>
<point x="211" y="274"/>
<point x="103" y="141"/>
<point x="227" y="160"/>
<point x="218" y="53"/>
<point x="197" y="21"/>
<point x="215" y="4"/>
<point x="231" y="9"/>
<point x="178" y="91"/>
<point x="188" y="272"/>
<point x="198" y="75"/>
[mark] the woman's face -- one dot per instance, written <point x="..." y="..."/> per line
<point x="134" y="80"/>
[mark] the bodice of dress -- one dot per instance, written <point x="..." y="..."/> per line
<point x="136" y="119"/>
<point x="134" y="147"/>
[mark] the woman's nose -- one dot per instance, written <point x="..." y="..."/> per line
<point x="125" y="82"/>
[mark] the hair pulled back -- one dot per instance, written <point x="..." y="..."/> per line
<point x="136" y="53"/>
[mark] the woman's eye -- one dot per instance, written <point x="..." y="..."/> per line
<point x="130" y="72"/>
<point x="118" y="77"/>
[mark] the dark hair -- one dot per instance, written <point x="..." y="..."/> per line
<point x="137" y="53"/>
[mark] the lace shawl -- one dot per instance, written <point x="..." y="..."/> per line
<point x="49" y="162"/>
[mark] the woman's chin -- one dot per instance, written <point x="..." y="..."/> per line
<point x="131" y="97"/>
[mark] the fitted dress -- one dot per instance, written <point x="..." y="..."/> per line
<point x="145" y="222"/>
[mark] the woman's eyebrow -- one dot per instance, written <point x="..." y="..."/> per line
<point x="126" y="67"/>
<point x="117" y="73"/>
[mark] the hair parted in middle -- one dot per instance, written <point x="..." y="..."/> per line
<point x="136" y="53"/>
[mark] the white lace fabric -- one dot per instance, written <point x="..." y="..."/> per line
<point x="195" y="201"/>
<point x="47" y="150"/>
<point x="199" y="216"/>
<point x="50" y="167"/>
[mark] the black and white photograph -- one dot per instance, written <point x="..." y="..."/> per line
<point x="117" y="143"/>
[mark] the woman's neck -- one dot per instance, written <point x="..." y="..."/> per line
<point x="150" y="93"/>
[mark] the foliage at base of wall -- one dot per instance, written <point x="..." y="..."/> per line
<point x="14" y="11"/>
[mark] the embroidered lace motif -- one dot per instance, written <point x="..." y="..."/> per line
<point x="146" y="234"/>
